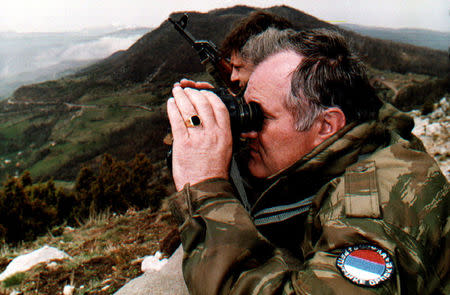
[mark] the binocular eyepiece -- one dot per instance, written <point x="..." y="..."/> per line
<point x="244" y="117"/>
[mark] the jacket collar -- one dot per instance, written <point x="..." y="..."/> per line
<point x="325" y="162"/>
<point x="330" y="159"/>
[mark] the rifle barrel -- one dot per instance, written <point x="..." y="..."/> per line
<point x="188" y="36"/>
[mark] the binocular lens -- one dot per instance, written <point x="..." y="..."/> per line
<point x="243" y="117"/>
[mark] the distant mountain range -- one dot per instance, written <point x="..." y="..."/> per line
<point x="161" y="55"/>
<point x="27" y="58"/>
<point x="425" y="38"/>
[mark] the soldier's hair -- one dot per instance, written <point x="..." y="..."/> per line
<point x="329" y="75"/>
<point x="271" y="41"/>
<point x="255" y="23"/>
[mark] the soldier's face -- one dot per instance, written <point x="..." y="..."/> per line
<point x="278" y="145"/>
<point x="241" y="69"/>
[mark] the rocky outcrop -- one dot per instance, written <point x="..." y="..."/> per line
<point x="434" y="131"/>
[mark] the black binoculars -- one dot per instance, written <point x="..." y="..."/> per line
<point x="244" y="117"/>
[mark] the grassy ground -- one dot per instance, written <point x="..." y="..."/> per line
<point x="105" y="251"/>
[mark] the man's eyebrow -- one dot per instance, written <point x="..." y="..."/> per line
<point x="255" y="99"/>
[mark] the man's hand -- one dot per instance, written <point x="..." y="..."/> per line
<point x="185" y="83"/>
<point x="204" y="151"/>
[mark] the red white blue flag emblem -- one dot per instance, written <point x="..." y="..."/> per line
<point x="365" y="265"/>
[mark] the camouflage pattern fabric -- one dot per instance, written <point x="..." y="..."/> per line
<point x="367" y="185"/>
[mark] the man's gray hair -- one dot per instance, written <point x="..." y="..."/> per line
<point x="272" y="41"/>
<point x="269" y="42"/>
<point x="329" y="75"/>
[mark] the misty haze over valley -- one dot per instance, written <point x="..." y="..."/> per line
<point x="35" y="57"/>
<point x="27" y="58"/>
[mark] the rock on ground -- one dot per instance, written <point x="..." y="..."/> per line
<point x="153" y="262"/>
<point x="27" y="261"/>
<point x="167" y="281"/>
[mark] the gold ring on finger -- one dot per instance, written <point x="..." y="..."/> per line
<point x="193" y="121"/>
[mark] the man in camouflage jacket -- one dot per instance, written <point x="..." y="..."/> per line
<point x="350" y="204"/>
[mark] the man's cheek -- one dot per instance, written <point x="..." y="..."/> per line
<point x="255" y="160"/>
<point x="254" y="167"/>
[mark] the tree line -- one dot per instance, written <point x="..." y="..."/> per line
<point x="28" y="210"/>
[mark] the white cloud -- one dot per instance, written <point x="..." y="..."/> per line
<point x="35" y="53"/>
<point x="97" y="49"/>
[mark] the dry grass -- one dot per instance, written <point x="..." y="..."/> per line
<point x="104" y="251"/>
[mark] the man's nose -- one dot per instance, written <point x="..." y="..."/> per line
<point x="234" y="75"/>
<point x="250" y="134"/>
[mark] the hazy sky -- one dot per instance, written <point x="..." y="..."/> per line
<point x="72" y="15"/>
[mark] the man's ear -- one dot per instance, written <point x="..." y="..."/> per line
<point x="331" y="121"/>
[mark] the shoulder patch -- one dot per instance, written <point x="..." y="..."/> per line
<point x="361" y="191"/>
<point x="365" y="265"/>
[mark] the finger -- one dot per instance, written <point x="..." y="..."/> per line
<point x="203" y="85"/>
<point x="176" y="120"/>
<point x="203" y="107"/>
<point x="184" y="83"/>
<point x="187" y="110"/>
<point x="221" y="114"/>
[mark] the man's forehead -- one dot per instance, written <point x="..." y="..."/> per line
<point x="236" y="57"/>
<point x="278" y="66"/>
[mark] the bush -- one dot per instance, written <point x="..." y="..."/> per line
<point x="428" y="107"/>
<point x="28" y="210"/>
<point x="118" y="186"/>
<point x="24" y="213"/>
<point x="427" y="92"/>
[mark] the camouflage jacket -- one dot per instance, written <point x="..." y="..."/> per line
<point x="371" y="186"/>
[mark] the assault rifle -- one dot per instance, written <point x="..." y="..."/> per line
<point x="218" y="67"/>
